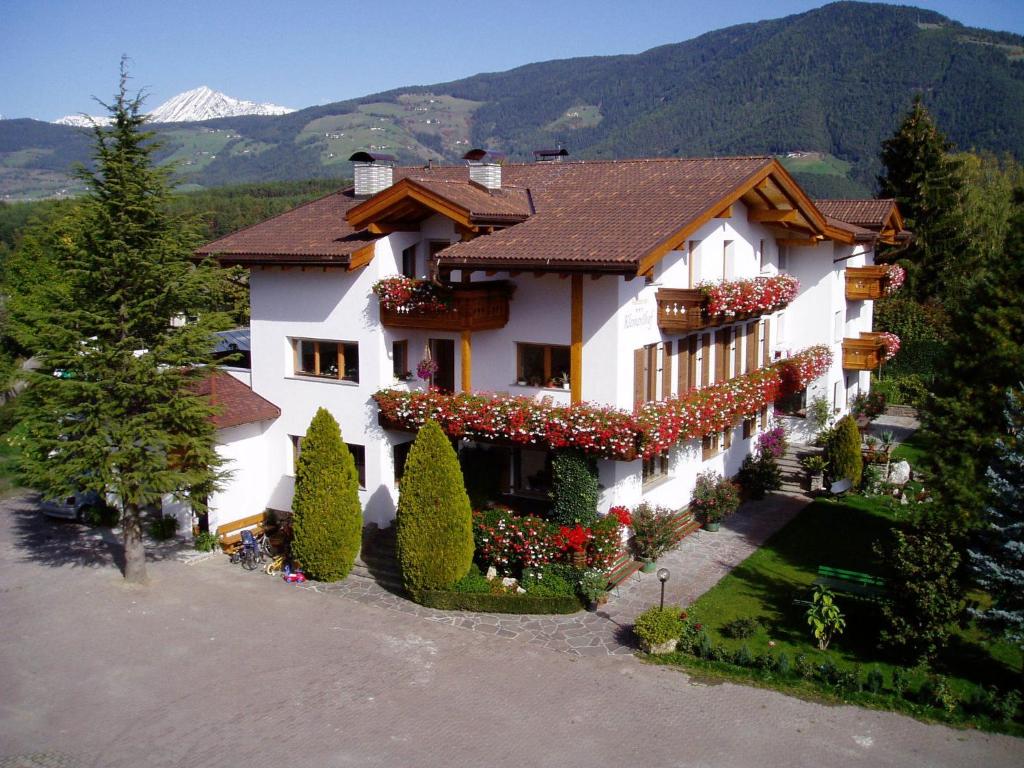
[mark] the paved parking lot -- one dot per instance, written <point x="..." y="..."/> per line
<point x="209" y="665"/>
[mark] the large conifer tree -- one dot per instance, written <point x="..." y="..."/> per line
<point x="328" y="521"/>
<point x="925" y="181"/>
<point x="114" y="408"/>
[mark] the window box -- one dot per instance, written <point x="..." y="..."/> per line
<point x="477" y="306"/>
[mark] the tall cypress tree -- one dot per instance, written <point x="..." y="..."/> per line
<point x="328" y="521"/>
<point x="925" y="181"/>
<point x="434" y="521"/>
<point x="114" y="408"/>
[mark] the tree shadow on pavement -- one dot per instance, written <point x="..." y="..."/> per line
<point x="59" y="543"/>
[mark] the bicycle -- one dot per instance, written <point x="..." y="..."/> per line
<point x="275" y="566"/>
<point x="249" y="554"/>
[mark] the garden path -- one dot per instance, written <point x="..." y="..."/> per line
<point x="696" y="564"/>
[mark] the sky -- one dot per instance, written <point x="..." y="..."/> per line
<point x="57" y="55"/>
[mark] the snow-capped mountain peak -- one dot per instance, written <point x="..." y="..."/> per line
<point x="204" y="103"/>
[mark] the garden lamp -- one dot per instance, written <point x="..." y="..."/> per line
<point x="663" y="574"/>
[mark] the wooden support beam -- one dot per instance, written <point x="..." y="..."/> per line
<point x="491" y="272"/>
<point x="467" y="361"/>
<point x="576" y="341"/>
<point x="514" y="273"/>
<point x="725" y="213"/>
<point x="799" y="241"/>
<point x="757" y="214"/>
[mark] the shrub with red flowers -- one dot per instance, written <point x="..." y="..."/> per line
<point x="511" y="542"/>
<point x="574" y="539"/>
<point x="406" y="294"/>
<point x="895" y="276"/>
<point x="890" y="343"/>
<point x="622" y="515"/>
<point x="756" y="296"/>
<point x="604" y="432"/>
<point x="605" y="542"/>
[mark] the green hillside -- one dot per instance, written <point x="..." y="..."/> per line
<point x="819" y="89"/>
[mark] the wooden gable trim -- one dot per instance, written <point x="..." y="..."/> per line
<point x="362" y="257"/>
<point x="778" y="175"/>
<point x="377" y="207"/>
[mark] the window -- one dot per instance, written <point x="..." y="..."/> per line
<point x="694" y="269"/>
<point x="837" y="326"/>
<point x="647" y="373"/>
<point x="327" y="359"/>
<point x="359" y="457"/>
<point x="727" y="259"/>
<point x="783" y="254"/>
<point x="749" y="427"/>
<point x="655" y="469"/>
<point x="531" y="472"/>
<point x="542" y="365"/>
<point x="400" y="358"/>
<point x="709" y="446"/>
<point x="296" y="442"/>
<point x="760" y="255"/>
<point x="409" y="261"/>
<point x="400" y="454"/>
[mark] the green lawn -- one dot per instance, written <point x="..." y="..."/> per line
<point x="912" y="450"/>
<point x="840" y="534"/>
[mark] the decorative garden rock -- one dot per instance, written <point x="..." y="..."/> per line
<point x="492" y="573"/>
<point x="658" y="648"/>
<point x="899" y="473"/>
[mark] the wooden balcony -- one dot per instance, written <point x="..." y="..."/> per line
<point x="680" y="310"/>
<point x="866" y="282"/>
<point x="863" y="354"/>
<point x="479" y="306"/>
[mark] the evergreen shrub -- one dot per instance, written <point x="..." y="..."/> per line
<point x="576" y="489"/>
<point x="842" y="452"/>
<point x="434" y="520"/>
<point x="659" y="625"/>
<point x="327" y="520"/>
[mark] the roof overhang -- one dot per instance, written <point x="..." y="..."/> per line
<point x="402" y="202"/>
<point x="772" y="197"/>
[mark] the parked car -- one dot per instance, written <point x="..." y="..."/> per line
<point x="72" y="507"/>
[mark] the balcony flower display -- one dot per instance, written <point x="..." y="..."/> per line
<point x="398" y="293"/>
<point x="757" y="296"/>
<point x="895" y="276"/>
<point x="891" y="343"/>
<point x="427" y="368"/>
<point x="603" y="432"/>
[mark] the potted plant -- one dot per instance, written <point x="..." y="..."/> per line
<point x="565" y="380"/>
<point x="659" y="629"/>
<point x="815" y="466"/>
<point x="593" y="588"/>
<point x="653" y="534"/>
<point x="714" y="499"/>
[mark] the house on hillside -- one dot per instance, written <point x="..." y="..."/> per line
<point x="641" y="310"/>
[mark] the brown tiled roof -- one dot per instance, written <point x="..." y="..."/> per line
<point x="578" y="214"/>
<point x="859" y="233"/>
<point x="870" y="213"/>
<point x="312" y="233"/>
<point x="605" y="214"/>
<point x="235" y="402"/>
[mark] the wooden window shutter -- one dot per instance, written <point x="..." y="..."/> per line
<point x="738" y="341"/>
<point x="722" y="338"/>
<point x="639" y="374"/>
<point x="752" y="355"/>
<point x="666" y="369"/>
<point x="727" y="438"/>
<point x="705" y="367"/>
<point x="651" y="371"/>
<point x="683" y="366"/>
<point x="767" y="349"/>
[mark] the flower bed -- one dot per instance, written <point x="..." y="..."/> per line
<point x="756" y="296"/>
<point x="405" y="294"/>
<point x="604" y="432"/>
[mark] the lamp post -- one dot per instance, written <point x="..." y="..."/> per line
<point x="663" y="575"/>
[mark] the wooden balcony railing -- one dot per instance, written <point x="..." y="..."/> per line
<point x="682" y="310"/>
<point x="866" y="282"/>
<point x="479" y="306"/>
<point x="863" y="354"/>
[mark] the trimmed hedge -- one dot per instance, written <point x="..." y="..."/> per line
<point x="487" y="603"/>
<point x="434" y="519"/>
<point x="327" y="518"/>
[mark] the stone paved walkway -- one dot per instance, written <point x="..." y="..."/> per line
<point x="696" y="565"/>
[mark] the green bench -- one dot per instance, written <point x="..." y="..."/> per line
<point x="851" y="583"/>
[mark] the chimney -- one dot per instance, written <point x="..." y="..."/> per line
<point x="485" y="167"/>
<point x="550" y="155"/>
<point x="372" y="172"/>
